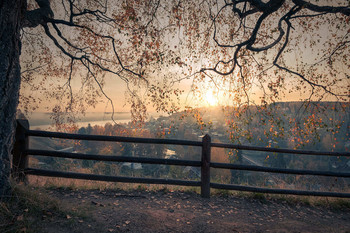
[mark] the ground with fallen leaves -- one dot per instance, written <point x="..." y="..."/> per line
<point x="165" y="211"/>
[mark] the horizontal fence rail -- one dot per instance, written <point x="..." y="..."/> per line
<point x="279" y="150"/>
<point x="74" y="175"/>
<point x="48" y="134"/>
<point x="38" y="133"/>
<point x="114" y="158"/>
<point x="278" y="170"/>
<point x="278" y="191"/>
<point x="22" y="151"/>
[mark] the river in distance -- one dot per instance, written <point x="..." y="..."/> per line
<point x="43" y="121"/>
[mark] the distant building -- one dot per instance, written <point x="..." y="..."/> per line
<point x="170" y="154"/>
<point x="132" y="166"/>
<point x="192" y="172"/>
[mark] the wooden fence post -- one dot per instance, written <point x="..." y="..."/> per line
<point x="205" y="168"/>
<point x="20" y="159"/>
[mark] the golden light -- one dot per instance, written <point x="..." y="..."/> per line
<point x="210" y="98"/>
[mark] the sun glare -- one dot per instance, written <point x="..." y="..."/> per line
<point x="211" y="99"/>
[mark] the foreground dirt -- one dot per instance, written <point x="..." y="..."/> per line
<point x="143" y="211"/>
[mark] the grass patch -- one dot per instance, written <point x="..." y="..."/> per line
<point x="258" y="196"/>
<point x="25" y="208"/>
<point x="325" y="202"/>
<point x="29" y="206"/>
<point x="333" y="203"/>
<point x="222" y="192"/>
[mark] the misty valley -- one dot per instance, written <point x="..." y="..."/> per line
<point x="243" y="128"/>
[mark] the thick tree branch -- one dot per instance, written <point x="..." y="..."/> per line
<point x="322" y="9"/>
<point x="267" y="8"/>
<point x="38" y="16"/>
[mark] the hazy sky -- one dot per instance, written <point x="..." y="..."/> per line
<point x="115" y="88"/>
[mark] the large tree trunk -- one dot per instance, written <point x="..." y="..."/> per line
<point x="11" y="12"/>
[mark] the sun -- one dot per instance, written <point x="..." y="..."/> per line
<point x="211" y="99"/>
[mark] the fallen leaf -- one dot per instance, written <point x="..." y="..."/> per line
<point x="94" y="202"/>
<point x="127" y="222"/>
<point x="68" y="216"/>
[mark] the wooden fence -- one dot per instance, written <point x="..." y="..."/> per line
<point x="22" y="151"/>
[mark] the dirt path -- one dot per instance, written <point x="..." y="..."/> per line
<point x="142" y="211"/>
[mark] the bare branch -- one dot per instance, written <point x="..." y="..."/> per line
<point x="322" y="9"/>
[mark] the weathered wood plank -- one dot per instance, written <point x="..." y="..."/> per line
<point x="205" y="168"/>
<point x="278" y="191"/>
<point x="278" y="170"/>
<point x="20" y="158"/>
<point x="74" y="175"/>
<point x="112" y="158"/>
<point x="39" y="133"/>
<point x="279" y="150"/>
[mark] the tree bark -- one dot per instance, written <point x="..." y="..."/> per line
<point x="11" y="13"/>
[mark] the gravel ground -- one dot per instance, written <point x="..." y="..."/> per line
<point x="165" y="211"/>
